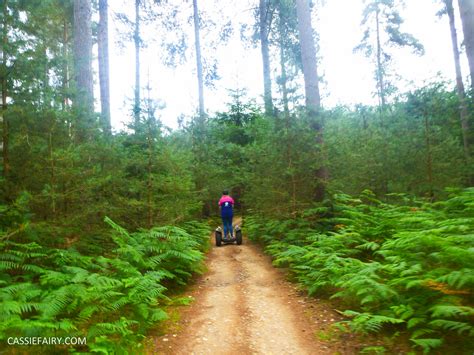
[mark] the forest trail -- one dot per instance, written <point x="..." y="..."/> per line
<point x="243" y="305"/>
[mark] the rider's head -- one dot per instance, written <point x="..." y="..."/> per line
<point x="225" y="192"/>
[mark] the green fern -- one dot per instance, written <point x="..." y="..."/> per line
<point x="458" y="327"/>
<point x="451" y="311"/>
<point x="112" y="299"/>
<point x="410" y="265"/>
<point x="428" y="344"/>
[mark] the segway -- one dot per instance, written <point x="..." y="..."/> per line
<point x="227" y="239"/>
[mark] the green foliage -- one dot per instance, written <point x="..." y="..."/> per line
<point x="112" y="299"/>
<point x="407" y="265"/>
<point x="413" y="147"/>
<point x="396" y="262"/>
<point x="382" y="21"/>
<point x="367" y="322"/>
<point x="389" y="152"/>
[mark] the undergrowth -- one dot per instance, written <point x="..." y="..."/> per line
<point x="406" y="266"/>
<point x="111" y="298"/>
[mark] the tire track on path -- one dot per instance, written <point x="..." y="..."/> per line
<point x="242" y="306"/>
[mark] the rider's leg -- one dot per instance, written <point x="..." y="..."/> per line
<point x="225" y="222"/>
<point x="231" y="227"/>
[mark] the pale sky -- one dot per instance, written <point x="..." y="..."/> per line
<point x="348" y="77"/>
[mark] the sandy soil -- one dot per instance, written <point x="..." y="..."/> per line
<point x="243" y="305"/>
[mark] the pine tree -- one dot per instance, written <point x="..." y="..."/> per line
<point x="197" y="43"/>
<point x="137" y="43"/>
<point x="466" y="8"/>
<point x="4" y="87"/>
<point x="383" y="21"/>
<point x="104" y="78"/>
<point x="464" y="116"/>
<point x="265" y="14"/>
<point x="83" y="69"/>
<point x="311" y="79"/>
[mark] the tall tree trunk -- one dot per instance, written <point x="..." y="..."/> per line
<point x="4" y="119"/>
<point x="198" y="130"/>
<point x="46" y="89"/>
<point x="136" y="38"/>
<point x="197" y="43"/>
<point x="286" y="110"/>
<point x="151" y="125"/>
<point x="466" y="8"/>
<point x="459" y="84"/>
<point x="284" y="78"/>
<point x="284" y="82"/>
<point x="429" y="156"/>
<point x="380" y="79"/>
<point x="311" y="79"/>
<point x="5" y="133"/>
<point x="104" y="78"/>
<point x="150" y="173"/>
<point x="66" y="102"/>
<point x="65" y="67"/>
<point x="83" y="66"/>
<point x="288" y="138"/>
<point x="52" y="172"/>
<point x="308" y="56"/>
<point x="382" y="100"/>
<point x="267" y="82"/>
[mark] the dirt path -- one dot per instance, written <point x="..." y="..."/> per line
<point x="244" y="306"/>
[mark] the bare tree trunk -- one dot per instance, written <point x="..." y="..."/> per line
<point x="380" y="80"/>
<point x="104" y="78"/>
<point x="150" y="138"/>
<point x="459" y="84"/>
<point x="308" y="56"/>
<point x="466" y="8"/>
<point x="267" y="82"/>
<point x="198" y="129"/>
<point x="289" y="159"/>
<point x="286" y="110"/>
<point x="53" y="172"/>
<point x="65" y="69"/>
<point x="284" y="78"/>
<point x="45" y="91"/>
<point x="197" y="42"/>
<point x="5" y="134"/>
<point x="66" y="76"/>
<point x="150" y="171"/>
<point x="429" y="156"/>
<point x="83" y="66"/>
<point x="4" y="119"/>
<point x="382" y="98"/>
<point x="289" y="147"/>
<point x="136" y="37"/>
<point x="311" y="79"/>
<point x="151" y="150"/>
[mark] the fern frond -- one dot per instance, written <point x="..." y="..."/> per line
<point x="458" y="327"/>
<point x="428" y="344"/>
<point x="451" y="311"/>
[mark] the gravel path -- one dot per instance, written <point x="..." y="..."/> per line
<point x="243" y="305"/>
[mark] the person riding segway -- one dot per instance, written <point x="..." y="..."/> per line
<point x="226" y="205"/>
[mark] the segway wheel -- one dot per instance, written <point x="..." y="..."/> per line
<point x="218" y="236"/>
<point x="238" y="237"/>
